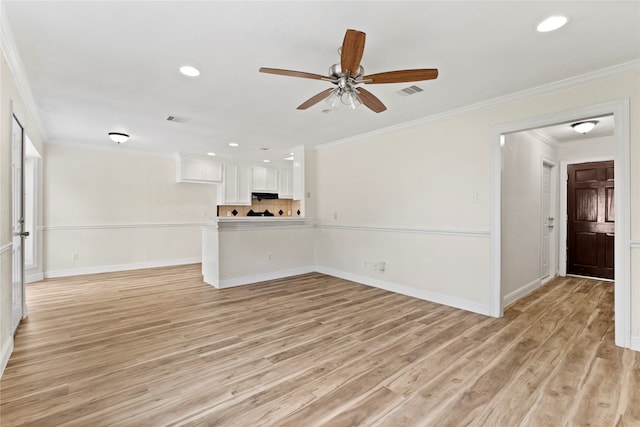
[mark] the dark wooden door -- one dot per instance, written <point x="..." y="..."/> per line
<point x="591" y="213"/>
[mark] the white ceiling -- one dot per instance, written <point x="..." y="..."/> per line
<point x="563" y="133"/>
<point x="101" y="66"/>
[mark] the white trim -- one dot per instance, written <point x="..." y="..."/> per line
<point x="249" y="280"/>
<point x="562" y="225"/>
<point x="635" y="343"/>
<point x="6" y="247"/>
<point x="113" y="226"/>
<point x="32" y="278"/>
<point x="412" y="292"/>
<point x="16" y="66"/>
<point x="442" y="232"/>
<point x="620" y="109"/>
<point x="5" y="353"/>
<point x="583" y="79"/>
<point x="120" y="267"/>
<point x="520" y="292"/>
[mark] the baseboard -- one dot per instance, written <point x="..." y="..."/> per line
<point x="5" y="353"/>
<point x="635" y="343"/>
<point x="31" y="278"/>
<point x="412" y="292"/>
<point x="520" y="292"/>
<point x="120" y="267"/>
<point x="249" y="280"/>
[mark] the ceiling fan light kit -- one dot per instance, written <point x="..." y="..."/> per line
<point x="348" y="74"/>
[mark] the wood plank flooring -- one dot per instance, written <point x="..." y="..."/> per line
<point x="159" y="347"/>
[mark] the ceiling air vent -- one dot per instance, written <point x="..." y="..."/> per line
<point x="410" y="90"/>
<point x="178" y="119"/>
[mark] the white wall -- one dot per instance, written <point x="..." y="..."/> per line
<point x="418" y="199"/>
<point x="119" y="210"/>
<point x="244" y="251"/>
<point x="522" y="157"/>
<point x="424" y="178"/>
<point x="587" y="149"/>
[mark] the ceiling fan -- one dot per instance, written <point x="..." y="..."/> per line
<point x="348" y="74"/>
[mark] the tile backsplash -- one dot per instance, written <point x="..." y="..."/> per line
<point x="278" y="207"/>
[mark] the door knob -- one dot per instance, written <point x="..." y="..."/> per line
<point x="25" y="234"/>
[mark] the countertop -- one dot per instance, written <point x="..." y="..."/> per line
<point x="246" y="222"/>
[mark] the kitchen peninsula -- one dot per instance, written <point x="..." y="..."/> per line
<point x="243" y="250"/>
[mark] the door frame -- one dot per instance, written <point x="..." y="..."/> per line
<point x="620" y="110"/>
<point x="20" y="238"/>
<point x="553" y="235"/>
<point x="562" y="258"/>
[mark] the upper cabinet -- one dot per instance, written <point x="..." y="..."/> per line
<point x="196" y="169"/>
<point x="264" y="179"/>
<point x="236" y="187"/>
<point x="285" y="184"/>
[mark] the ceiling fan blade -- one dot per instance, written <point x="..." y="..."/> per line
<point x="293" y="73"/>
<point x="315" y="99"/>
<point x="352" y="49"/>
<point x="371" y="101"/>
<point x="401" y="76"/>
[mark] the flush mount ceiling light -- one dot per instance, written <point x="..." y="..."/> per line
<point x="267" y="161"/>
<point x="211" y="154"/>
<point x="190" y="71"/>
<point x="118" y="137"/>
<point x="233" y="144"/>
<point x="552" y="23"/>
<point x="584" y="127"/>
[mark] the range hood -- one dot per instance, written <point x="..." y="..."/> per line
<point x="264" y="196"/>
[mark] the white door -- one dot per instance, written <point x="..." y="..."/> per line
<point x="547" y="223"/>
<point x="17" y="223"/>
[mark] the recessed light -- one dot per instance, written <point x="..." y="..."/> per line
<point x="190" y="71"/>
<point x="233" y="144"/>
<point x="289" y="158"/>
<point x="267" y="161"/>
<point x="211" y="154"/>
<point x="552" y="23"/>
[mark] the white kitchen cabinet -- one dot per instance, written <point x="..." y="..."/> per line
<point x="264" y="179"/>
<point x="195" y="169"/>
<point x="235" y="189"/>
<point x="285" y="184"/>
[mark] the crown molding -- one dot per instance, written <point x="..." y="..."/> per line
<point x="11" y="54"/>
<point x="572" y="82"/>
<point x="541" y="136"/>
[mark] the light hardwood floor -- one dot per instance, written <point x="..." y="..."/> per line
<point x="159" y="347"/>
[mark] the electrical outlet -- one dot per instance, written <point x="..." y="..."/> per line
<point x="269" y="256"/>
<point x="381" y="266"/>
<point x="335" y="215"/>
<point x="74" y="256"/>
<point x="366" y="264"/>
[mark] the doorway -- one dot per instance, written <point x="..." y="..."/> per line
<point x="622" y="262"/>
<point x="591" y="219"/>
